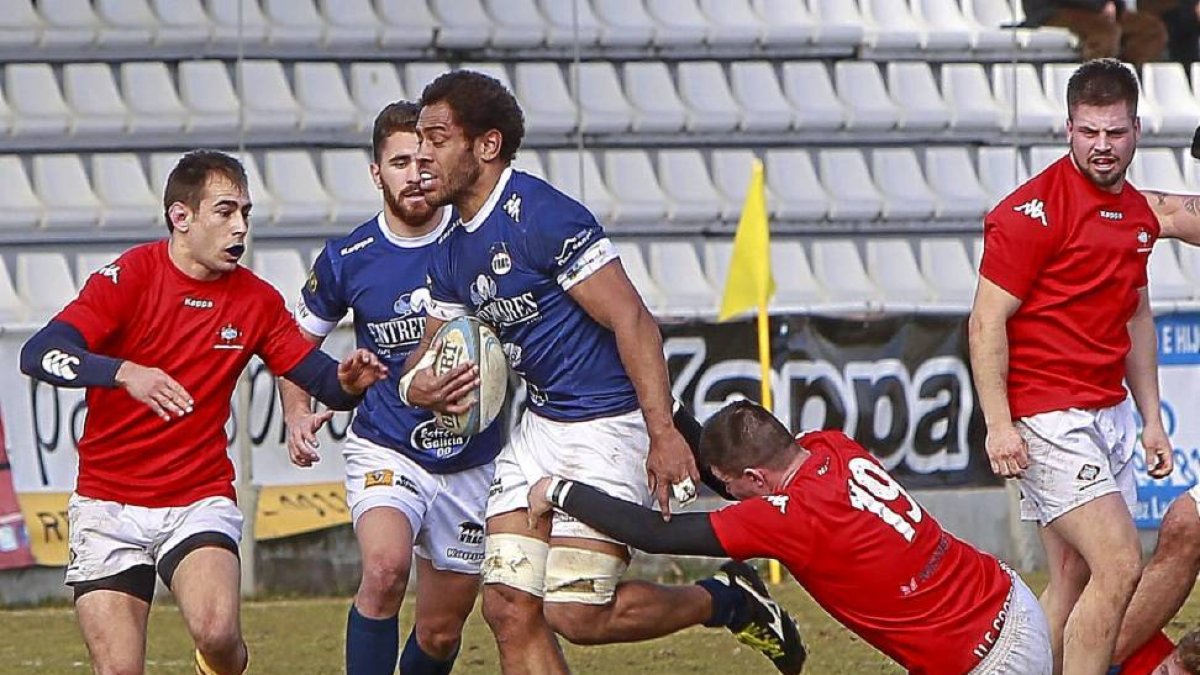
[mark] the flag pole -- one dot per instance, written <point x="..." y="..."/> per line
<point x="774" y="571"/>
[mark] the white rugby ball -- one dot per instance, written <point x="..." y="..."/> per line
<point x="467" y="339"/>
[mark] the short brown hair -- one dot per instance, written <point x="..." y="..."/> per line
<point x="394" y="118"/>
<point x="190" y="176"/>
<point x="1101" y="82"/>
<point x="479" y="104"/>
<point x="743" y="435"/>
<point x="1189" y="652"/>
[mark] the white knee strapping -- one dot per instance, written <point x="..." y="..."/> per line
<point x="582" y="576"/>
<point x="516" y="561"/>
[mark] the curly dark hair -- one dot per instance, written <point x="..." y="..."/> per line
<point x="1102" y="82"/>
<point x="395" y="117"/>
<point x="479" y="103"/>
<point x="190" y="176"/>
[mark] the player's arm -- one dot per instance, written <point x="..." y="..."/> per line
<point x="420" y="387"/>
<point x="301" y="420"/>
<point x="609" y="297"/>
<point x="1178" y="215"/>
<point x="1141" y="373"/>
<point x="691" y="431"/>
<point x="339" y="386"/>
<point x="58" y="354"/>
<point x="987" y="331"/>
<point x="641" y="528"/>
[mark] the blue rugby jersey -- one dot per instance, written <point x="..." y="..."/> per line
<point x="512" y="265"/>
<point x="381" y="277"/>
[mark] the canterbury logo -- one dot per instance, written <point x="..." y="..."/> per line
<point x="1034" y="208"/>
<point x="60" y="364"/>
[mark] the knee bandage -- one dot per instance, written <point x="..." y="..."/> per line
<point x="515" y="561"/>
<point x="582" y="576"/>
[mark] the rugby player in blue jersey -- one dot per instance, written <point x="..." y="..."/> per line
<point x="535" y="265"/>
<point x="412" y="487"/>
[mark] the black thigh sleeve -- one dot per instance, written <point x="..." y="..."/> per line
<point x="170" y="561"/>
<point x="137" y="581"/>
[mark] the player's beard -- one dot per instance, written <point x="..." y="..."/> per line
<point x="412" y="215"/>
<point x="1106" y="179"/>
<point x="455" y="183"/>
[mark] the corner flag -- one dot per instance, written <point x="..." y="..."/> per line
<point x="749" y="284"/>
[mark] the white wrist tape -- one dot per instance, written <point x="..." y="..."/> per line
<point x="556" y="492"/>
<point x="425" y="361"/>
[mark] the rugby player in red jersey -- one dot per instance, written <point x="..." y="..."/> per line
<point x="159" y="338"/>
<point x="861" y="546"/>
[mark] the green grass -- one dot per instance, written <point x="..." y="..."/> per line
<point x="304" y="637"/>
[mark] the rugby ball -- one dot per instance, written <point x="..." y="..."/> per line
<point x="469" y="340"/>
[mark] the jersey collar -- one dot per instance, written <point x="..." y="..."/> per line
<point x="413" y="242"/>
<point x="488" y="206"/>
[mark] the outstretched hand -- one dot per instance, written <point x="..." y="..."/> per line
<point x="159" y="391"/>
<point x="360" y="370"/>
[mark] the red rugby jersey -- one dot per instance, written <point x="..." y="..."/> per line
<point x="144" y="309"/>
<point x="1149" y="656"/>
<point x="1076" y="256"/>
<point x="874" y="559"/>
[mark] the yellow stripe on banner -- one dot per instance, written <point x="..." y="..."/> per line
<point x="285" y="510"/>
<point x="45" y="516"/>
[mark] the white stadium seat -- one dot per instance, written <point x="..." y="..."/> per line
<point x="125" y="22"/>
<point x="293" y="180"/>
<point x="20" y="26"/>
<point x="588" y="188"/>
<point x="529" y="161"/>
<point x="944" y="24"/>
<point x="266" y="97"/>
<point x="36" y="101"/>
<point x="62" y="185"/>
<point x="1042" y="156"/>
<point x="760" y="97"/>
<point x="153" y="103"/>
<point x="515" y="23"/>
<point x="839" y="23"/>
<point x="462" y="24"/>
<point x="44" y="282"/>
<point x="639" y="275"/>
<point x="1157" y="169"/>
<point x="677" y="22"/>
<point x="293" y="22"/>
<point x="796" y="192"/>
<point x="12" y="308"/>
<point x="180" y="22"/>
<point x="1167" y="281"/>
<point x="796" y="289"/>
<point x="91" y="92"/>
<point x="631" y="180"/>
<point x="784" y="22"/>
<point x="969" y="95"/>
<point x="1001" y="170"/>
<point x="906" y="194"/>
<point x="893" y="267"/>
<point x="87" y="262"/>
<point x="677" y="272"/>
<point x="809" y="89"/>
<point x="347" y="179"/>
<point x="267" y="207"/>
<point x="651" y="91"/>
<point x="122" y="187"/>
<point x="323" y="96"/>
<point x="731" y="171"/>
<point x="853" y="195"/>
<point x="626" y="24"/>
<point x="860" y="87"/>
<point x="1018" y="85"/>
<point x="890" y="25"/>
<point x="567" y="22"/>
<point x="912" y="87"/>
<point x="689" y="189"/>
<point x="839" y="269"/>
<point x="704" y="91"/>
<point x="160" y="166"/>
<point x="225" y="19"/>
<point x="732" y="23"/>
<point x="1167" y="85"/>
<point x="284" y="269"/>
<point x="951" y="175"/>
<point x="373" y="86"/>
<point x="349" y="22"/>
<point x="20" y="208"/>
<point x="68" y="23"/>
<point x="945" y="263"/>
<point x="207" y="90"/>
<point x="603" y="105"/>
<point x="543" y="93"/>
<point x="419" y="74"/>
<point x="405" y="24"/>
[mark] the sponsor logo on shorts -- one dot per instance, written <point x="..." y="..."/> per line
<point x="495" y="489"/>
<point x="408" y="484"/>
<point x="378" y="478"/>
<point x="469" y="556"/>
<point x="470" y="533"/>
<point x="1088" y="473"/>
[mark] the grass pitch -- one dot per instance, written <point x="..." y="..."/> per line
<point x="305" y="637"/>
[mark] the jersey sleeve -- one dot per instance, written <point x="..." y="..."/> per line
<point x="1019" y="238"/>
<point x="442" y="302"/>
<point x="107" y="301"/>
<point x="282" y="345"/>
<point x="321" y="303"/>
<point x="568" y="244"/>
<point x="765" y="527"/>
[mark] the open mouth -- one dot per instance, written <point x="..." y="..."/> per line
<point x="427" y="180"/>
<point x="1104" y="163"/>
<point x="236" y="250"/>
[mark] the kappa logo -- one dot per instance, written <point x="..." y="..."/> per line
<point x="408" y="484"/>
<point x="778" y="501"/>
<point x="501" y="260"/>
<point x="495" y="488"/>
<point x="1035" y="209"/>
<point x="357" y="246"/>
<point x="513" y="207"/>
<point x="60" y="364"/>
<point x="1088" y="473"/>
<point x="198" y="303"/>
<point x="378" y="478"/>
<point x="110" y="271"/>
<point x="1111" y="215"/>
<point x="470" y="533"/>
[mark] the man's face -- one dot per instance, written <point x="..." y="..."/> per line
<point x="446" y="157"/>
<point x="215" y="232"/>
<point x="1103" y="140"/>
<point x="398" y="178"/>
<point x="747" y="484"/>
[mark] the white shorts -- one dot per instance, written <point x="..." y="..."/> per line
<point x="1023" y="647"/>
<point x="445" y="511"/>
<point x="607" y="453"/>
<point x="1076" y="456"/>
<point x="106" y="538"/>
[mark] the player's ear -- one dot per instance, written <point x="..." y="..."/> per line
<point x="487" y="145"/>
<point x="180" y="215"/>
<point x="375" y="176"/>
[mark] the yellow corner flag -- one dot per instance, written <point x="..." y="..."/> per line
<point x="749" y="284"/>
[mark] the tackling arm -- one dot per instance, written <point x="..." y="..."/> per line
<point x="1178" y="215"/>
